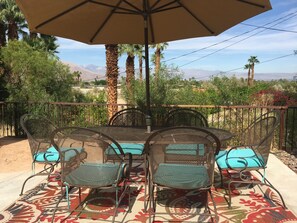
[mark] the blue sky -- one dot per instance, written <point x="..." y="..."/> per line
<point x="274" y="49"/>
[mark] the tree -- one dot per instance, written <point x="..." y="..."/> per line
<point x="251" y="66"/>
<point x="12" y="17"/>
<point x="158" y="56"/>
<point x="33" y="75"/>
<point x="139" y="53"/>
<point x="112" y="73"/>
<point x="129" y="49"/>
<point x="248" y="67"/>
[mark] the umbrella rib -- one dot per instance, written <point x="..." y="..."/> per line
<point x="151" y="28"/>
<point x="61" y="14"/>
<point x="121" y="8"/>
<point x="133" y="6"/>
<point x="106" y="20"/>
<point x="164" y="7"/>
<point x="195" y="17"/>
<point x="251" y="3"/>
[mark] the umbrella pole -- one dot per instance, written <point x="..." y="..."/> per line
<point x="147" y="70"/>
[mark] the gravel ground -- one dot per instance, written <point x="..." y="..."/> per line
<point x="288" y="159"/>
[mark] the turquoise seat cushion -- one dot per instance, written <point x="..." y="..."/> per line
<point x="185" y="149"/>
<point x="181" y="176"/>
<point x="133" y="148"/>
<point x="239" y="159"/>
<point x="94" y="175"/>
<point x="52" y="155"/>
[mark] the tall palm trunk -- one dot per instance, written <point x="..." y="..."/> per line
<point x="2" y="34"/>
<point x="252" y="74"/>
<point x="249" y="77"/>
<point x="157" y="62"/>
<point x="130" y="75"/>
<point x="140" y="68"/>
<point x="12" y="31"/>
<point x="112" y="73"/>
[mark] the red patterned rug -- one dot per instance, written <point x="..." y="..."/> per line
<point x="248" y="205"/>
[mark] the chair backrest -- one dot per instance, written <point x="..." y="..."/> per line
<point x="128" y="117"/>
<point x="38" y="130"/>
<point x="182" y="146"/>
<point x="185" y="117"/>
<point x="259" y="134"/>
<point x="77" y="146"/>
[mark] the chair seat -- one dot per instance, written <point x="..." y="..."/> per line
<point x="185" y="149"/>
<point x="94" y="175"/>
<point x="182" y="176"/>
<point x="133" y="148"/>
<point x="239" y="159"/>
<point x="52" y="155"/>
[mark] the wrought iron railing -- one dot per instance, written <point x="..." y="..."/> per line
<point x="291" y="130"/>
<point x="232" y="118"/>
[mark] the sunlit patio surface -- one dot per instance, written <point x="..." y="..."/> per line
<point x="37" y="204"/>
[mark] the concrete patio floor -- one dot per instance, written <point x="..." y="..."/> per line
<point x="11" y="179"/>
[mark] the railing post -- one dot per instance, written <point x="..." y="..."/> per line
<point x="281" y="128"/>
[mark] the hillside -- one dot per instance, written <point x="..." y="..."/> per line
<point x="86" y="74"/>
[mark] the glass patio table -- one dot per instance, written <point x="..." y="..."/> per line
<point x="140" y="135"/>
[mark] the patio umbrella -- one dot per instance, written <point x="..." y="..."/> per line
<point x="137" y="21"/>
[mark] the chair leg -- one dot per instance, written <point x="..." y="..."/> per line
<point x="214" y="206"/>
<point x="41" y="173"/>
<point x="56" y="207"/>
<point x="271" y="186"/>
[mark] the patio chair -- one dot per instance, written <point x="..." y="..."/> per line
<point x="252" y="155"/>
<point x="38" y="130"/>
<point x="185" y="117"/>
<point x="133" y="117"/>
<point x="89" y="168"/>
<point x="130" y="117"/>
<point x="181" y="158"/>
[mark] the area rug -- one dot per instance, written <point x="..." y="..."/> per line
<point x="248" y="205"/>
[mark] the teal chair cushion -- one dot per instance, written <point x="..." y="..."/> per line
<point x="94" y="175"/>
<point x="181" y="176"/>
<point x="185" y="149"/>
<point x="52" y="155"/>
<point x="133" y="148"/>
<point x="239" y="159"/>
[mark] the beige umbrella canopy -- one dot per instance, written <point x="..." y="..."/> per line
<point x="137" y="21"/>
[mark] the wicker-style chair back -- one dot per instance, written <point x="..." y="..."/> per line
<point x="85" y="162"/>
<point x="185" y="117"/>
<point x="38" y="130"/>
<point x="133" y="117"/>
<point x="259" y="134"/>
<point x="181" y="158"/>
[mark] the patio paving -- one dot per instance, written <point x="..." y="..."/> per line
<point x="36" y="204"/>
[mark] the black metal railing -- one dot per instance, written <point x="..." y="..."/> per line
<point x="291" y="130"/>
<point x="232" y="118"/>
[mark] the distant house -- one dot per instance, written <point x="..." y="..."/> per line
<point x="295" y="78"/>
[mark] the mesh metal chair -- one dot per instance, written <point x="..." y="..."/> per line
<point x="130" y="117"/>
<point x="185" y="117"/>
<point x="252" y="155"/>
<point x="84" y="163"/>
<point x="38" y="130"/>
<point x="181" y="158"/>
<point x="133" y="117"/>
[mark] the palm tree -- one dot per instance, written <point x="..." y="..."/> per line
<point x="251" y="66"/>
<point x="129" y="49"/>
<point x="248" y="67"/>
<point x="112" y="73"/>
<point x="12" y="16"/>
<point x="2" y="33"/>
<point x="139" y="54"/>
<point x="158" y="55"/>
